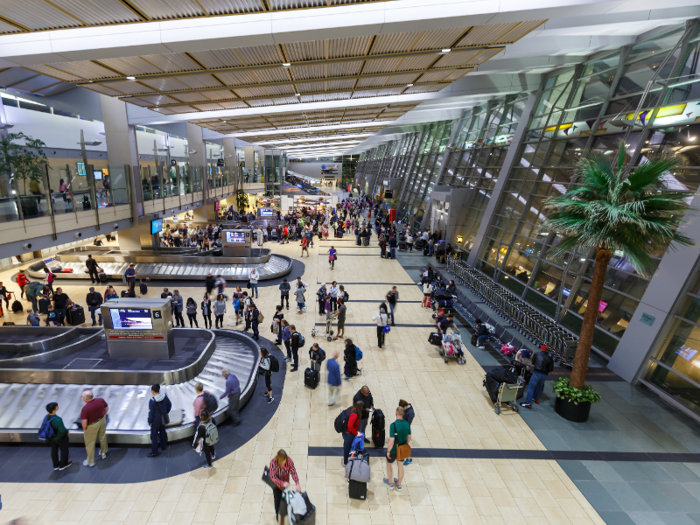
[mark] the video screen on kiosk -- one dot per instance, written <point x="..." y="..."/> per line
<point x="156" y="226"/>
<point x="266" y="212"/>
<point x="235" y="237"/>
<point x="131" y="319"/>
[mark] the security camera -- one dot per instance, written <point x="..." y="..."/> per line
<point x="116" y="226"/>
<point x="78" y="235"/>
<point x="27" y="246"/>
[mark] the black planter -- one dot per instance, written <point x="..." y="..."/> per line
<point x="568" y="410"/>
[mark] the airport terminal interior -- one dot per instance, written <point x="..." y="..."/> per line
<point x="450" y="250"/>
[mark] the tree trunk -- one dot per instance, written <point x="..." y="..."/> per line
<point x="583" y="350"/>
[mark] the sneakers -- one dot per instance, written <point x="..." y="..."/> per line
<point x="269" y="401"/>
<point x="389" y="485"/>
<point x="56" y="468"/>
<point x="86" y="464"/>
<point x="287" y="359"/>
<point x="152" y="455"/>
<point x="481" y="347"/>
<point x="103" y="455"/>
<point x="526" y="405"/>
<point x="537" y="401"/>
<point x="213" y="457"/>
<point x="407" y="462"/>
<point x="207" y="467"/>
<point x="266" y="394"/>
<point x="396" y="482"/>
<point x="64" y="468"/>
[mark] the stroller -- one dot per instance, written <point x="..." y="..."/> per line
<point x="451" y="348"/>
<point x="328" y="333"/>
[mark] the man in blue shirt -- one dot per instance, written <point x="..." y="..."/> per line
<point x="334" y="380"/>
<point x="284" y="291"/>
<point x="130" y="275"/>
<point x="445" y="323"/>
<point x="233" y="392"/>
<point x="158" y="406"/>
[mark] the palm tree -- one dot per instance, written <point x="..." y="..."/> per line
<point x="609" y="210"/>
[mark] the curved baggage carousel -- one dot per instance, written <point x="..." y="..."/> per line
<point x="40" y="365"/>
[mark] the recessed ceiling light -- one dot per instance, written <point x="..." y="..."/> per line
<point x="409" y="85"/>
<point x="446" y="50"/>
<point x="131" y="78"/>
<point x="286" y="64"/>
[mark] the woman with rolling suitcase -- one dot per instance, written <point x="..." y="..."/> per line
<point x="281" y="468"/>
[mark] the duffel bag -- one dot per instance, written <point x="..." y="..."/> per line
<point x="435" y="339"/>
<point x="358" y="468"/>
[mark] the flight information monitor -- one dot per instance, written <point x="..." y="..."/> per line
<point x="235" y="237"/>
<point x="156" y="226"/>
<point x="131" y="319"/>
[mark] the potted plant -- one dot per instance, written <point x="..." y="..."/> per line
<point x="609" y="209"/>
<point x="574" y="403"/>
<point x="241" y="201"/>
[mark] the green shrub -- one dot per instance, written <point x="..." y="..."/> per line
<point x="563" y="389"/>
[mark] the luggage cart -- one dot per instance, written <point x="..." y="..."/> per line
<point x="507" y="395"/>
<point x="328" y="333"/>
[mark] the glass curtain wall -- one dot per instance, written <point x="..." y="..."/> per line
<point x="595" y="106"/>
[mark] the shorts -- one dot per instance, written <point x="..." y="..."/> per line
<point x="341" y="325"/>
<point x="391" y="458"/>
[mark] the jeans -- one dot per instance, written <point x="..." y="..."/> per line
<point x="94" y="277"/>
<point x="284" y="297"/>
<point x="62" y="445"/>
<point x="393" y="252"/>
<point x="192" y="318"/>
<point x="347" y="445"/>
<point x="158" y="434"/>
<point x="254" y="289"/>
<point x="256" y="334"/>
<point x="363" y="426"/>
<point x="94" y="309"/>
<point x="535" y="387"/>
<point x="179" y="319"/>
<point x="288" y="346"/>
<point x="481" y="339"/>
<point x="295" y="357"/>
<point x="334" y="303"/>
<point x="60" y="315"/>
<point x="220" y="321"/>
<point x="391" y="312"/>
<point x="333" y="394"/>
<point x="207" y="320"/>
<point x="380" y="336"/>
<point x="35" y="304"/>
<point x="234" y="401"/>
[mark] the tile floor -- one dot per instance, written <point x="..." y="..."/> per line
<point x="452" y="411"/>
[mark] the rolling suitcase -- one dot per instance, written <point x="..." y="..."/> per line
<point x="143" y="287"/>
<point x="435" y="339"/>
<point x="358" y="490"/>
<point x="311" y="378"/>
<point x="103" y="277"/>
<point x="76" y="317"/>
<point x="378" y="428"/>
<point x="128" y="293"/>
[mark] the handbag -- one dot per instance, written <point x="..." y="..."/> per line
<point x="386" y="329"/>
<point x="267" y="479"/>
<point x="248" y="285"/>
<point x="402" y="451"/>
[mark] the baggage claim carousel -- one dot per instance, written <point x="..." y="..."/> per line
<point x="167" y="264"/>
<point x="40" y="365"/>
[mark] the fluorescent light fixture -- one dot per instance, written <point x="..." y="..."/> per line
<point x="297" y="94"/>
<point x="409" y="85"/>
<point x="131" y="78"/>
<point x="446" y="50"/>
<point x="286" y="64"/>
<point x="26" y="101"/>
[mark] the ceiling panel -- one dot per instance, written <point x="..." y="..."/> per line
<point x="381" y="66"/>
<point x="237" y="78"/>
<point x="199" y="81"/>
<point x="251" y="92"/>
<point x="394" y="43"/>
<point x="311" y="87"/>
<point x="308" y="72"/>
<point x="344" y="69"/>
<point x="218" y="95"/>
<point x="233" y="105"/>
<point x="438" y="39"/>
<point x="417" y="62"/>
<point x="165" y="84"/>
<point x="456" y="58"/>
<point x="336" y="85"/>
<point x="218" y="58"/>
<point x="434" y="77"/>
<point x="260" y="102"/>
<point x="228" y="7"/>
<point x="55" y="73"/>
<point x="280" y="90"/>
<point x="158" y="100"/>
<point x="130" y="66"/>
<point x="8" y="28"/>
<point x="105" y="90"/>
<point x="85" y="69"/>
<point x="168" y="9"/>
<point x="520" y="31"/>
<point x="485" y="35"/>
<point x="372" y="82"/>
<point x="349" y="47"/>
<point x="299" y="51"/>
<point x="98" y="12"/>
<point x="285" y="100"/>
<point x="130" y="88"/>
<point x="484" y="56"/>
<point x="172" y="62"/>
<point x="338" y="96"/>
<point x="207" y="107"/>
<point x="36" y="14"/>
<point x="271" y="75"/>
<point x="194" y="97"/>
<point x="258" y="55"/>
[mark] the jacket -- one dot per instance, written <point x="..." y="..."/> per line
<point x="91" y="264"/>
<point x="157" y="406"/>
<point x="177" y="303"/>
<point x="367" y="401"/>
<point x="93" y="299"/>
<point x="543" y="362"/>
<point x="59" y="428"/>
<point x="481" y="330"/>
<point x="333" y="368"/>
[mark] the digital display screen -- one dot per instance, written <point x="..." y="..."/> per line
<point x="686" y="352"/>
<point x="97" y="174"/>
<point x="565" y="292"/>
<point x="128" y="319"/>
<point x="217" y="205"/>
<point x="602" y="306"/>
<point x="156" y="226"/>
<point x="81" y="169"/>
<point x="266" y="212"/>
<point x="235" y="237"/>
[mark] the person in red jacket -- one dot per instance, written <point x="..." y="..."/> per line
<point x="22" y="281"/>
<point x="353" y="429"/>
<point x="281" y="468"/>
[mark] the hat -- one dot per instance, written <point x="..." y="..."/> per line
<point x="92" y="288"/>
<point x="525" y="353"/>
<point x="544" y="347"/>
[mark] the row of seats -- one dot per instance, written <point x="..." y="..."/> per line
<point x="531" y="323"/>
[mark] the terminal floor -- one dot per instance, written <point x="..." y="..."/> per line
<point x="471" y="466"/>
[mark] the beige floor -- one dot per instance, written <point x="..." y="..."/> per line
<point x="452" y="411"/>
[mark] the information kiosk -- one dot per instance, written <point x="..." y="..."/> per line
<point x="237" y="243"/>
<point x="138" y="328"/>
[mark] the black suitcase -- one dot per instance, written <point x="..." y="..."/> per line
<point x="358" y="489"/>
<point x="491" y="386"/>
<point x="17" y="307"/>
<point x="378" y="428"/>
<point x="128" y="293"/>
<point x="435" y="339"/>
<point x="474" y="339"/>
<point x="143" y="287"/>
<point x="103" y="277"/>
<point x="76" y="317"/>
<point x="311" y="378"/>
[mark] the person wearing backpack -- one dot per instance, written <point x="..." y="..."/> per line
<point x="204" y="402"/>
<point x="58" y="438"/>
<point x="158" y="409"/>
<point x="233" y="393"/>
<point x="350" y="427"/>
<point x="255" y="315"/>
<point x="350" y="355"/>
<point x="296" y="343"/>
<point x="317" y="356"/>
<point x="268" y="365"/>
<point x="334" y="380"/>
<point x="208" y="436"/>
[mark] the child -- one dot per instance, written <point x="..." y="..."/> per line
<point x="301" y="302"/>
<point x="33" y="318"/>
<point x="52" y="317"/>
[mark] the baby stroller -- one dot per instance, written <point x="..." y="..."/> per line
<point x="328" y="333"/>
<point x="451" y="348"/>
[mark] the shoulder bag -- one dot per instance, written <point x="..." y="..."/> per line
<point x="402" y="451"/>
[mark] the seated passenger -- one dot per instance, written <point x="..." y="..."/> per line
<point x="482" y="334"/>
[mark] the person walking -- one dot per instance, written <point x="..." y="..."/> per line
<point x="350" y="356"/>
<point x="353" y="429"/>
<point x="200" y="403"/>
<point x="382" y="319"/>
<point x="392" y="299"/>
<point x="287" y="340"/>
<point x="130" y="275"/>
<point x="205" y="429"/>
<point x="281" y="468"/>
<point x="206" y="310"/>
<point x="209" y="283"/>
<point x="158" y="409"/>
<point x="191" y="308"/>
<point x="233" y="393"/>
<point x="266" y="371"/>
<point x="92" y="268"/>
<point x="542" y="365"/>
<point x="305" y="246"/>
<point x="59" y="440"/>
<point x="364" y="396"/>
<point x="177" y="301"/>
<point x="409" y="241"/>
<point x="93" y="417"/>
<point x="332" y="256"/>
<point x="219" y="309"/>
<point x="334" y="380"/>
<point x="284" y="293"/>
<point x="399" y="434"/>
<point x="295" y="344"/>
<point x="253" y="277"/>
<point x="94" y="300"/>
<point x="392" y="246"/>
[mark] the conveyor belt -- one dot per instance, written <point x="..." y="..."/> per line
<point x="22" y="405"/>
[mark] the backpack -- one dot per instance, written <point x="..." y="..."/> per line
<point x="321" y="355"/>
<point x="261" y="317"/>
<point x="46" y="431"/>
<point x="358" y="354"/>
<point x="302" y="341"/>
<point x="17" y="307"/>
<point x="346" y="296"/>
<point x="210" y="402"/>
<point x="236" y="304"/>
<point x="211" y="437"/>
<point x="274" y="364"/>
<point x="341" y="422"/>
